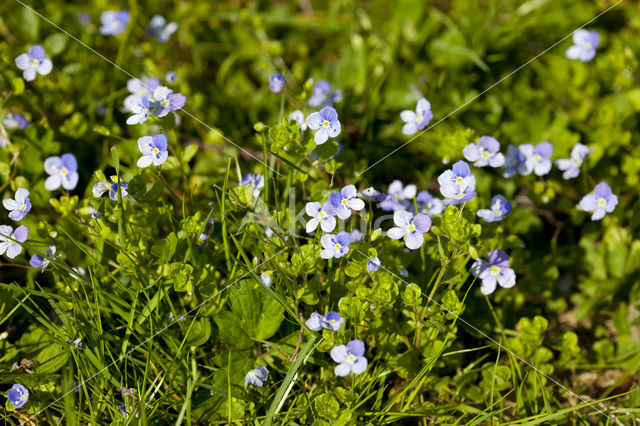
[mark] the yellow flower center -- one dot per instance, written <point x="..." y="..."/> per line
<point x="419" y="119"/>
<point x="602" y="202"/>
<point x="165" y="103"/>
<point x="345" y="202"/>
<point x="411" y="227"/>
<point x="587" y="45"/>
<point x="459" y="179"/>
<point x="35" y="62"/>
<point x="322" y="214"/>
<point x="155" y="151"/>
<point x="338" y="246"/>
<point x="495" y="270"/>
<point x="351" y="358"/>
<point x="64" y="171"/>
<point x="485" y="154"/>
<point x="537" y="158"/>
<point x="23" y="207"/>
<point x="325" y="123"/>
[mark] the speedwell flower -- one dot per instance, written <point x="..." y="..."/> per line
<point x="373" y="264"/>
<point x="153" y="149"/>
<point x="140" y="108"/>
<point x="325" y="122"/>
<point x="15" y="121"/>
<point x="537" y="159"/>
<point x="429" y="204"/>
<point x="322" y="95"/>
<point x="410" y="227"/>
<point x="62" y="171"/>
<point x="165" y="101"/>
<point x="257" y="376"/>
<point x="324" y="215"/>
<point x="458" y="184"/>
<point x="276" y="82"/>
<point x="398" y="196"/>
<point x="160" y="29"/>
<point x="331" y="321"/>
<point x="514" y="162"/>
<point x="350" y="358"/>
<point x="139" y="87"/>
<point x="113" y="190"/>
<point x="584" y="45"/>
<point x="486" y="152"/>
<point x="345" y="200"/>
<point x="255" y="182"/>
<point x="571" y="166"/>
<point x="298" y="117"/>
<point x="499" y="208"/>
<point x="417" y="120"/>
<point x="494" y="271"/>
<point x="18" y="395"/>
<point x="114" y="22"/>
<point x="10" y="240"/>
<point x="335" y="245"/>
<point x="19" y="206"/>
<point x="266" y="278"/>
<point x="34" y="61"/>
<point x="39" y="261"/>
<point x="601" y="201"/>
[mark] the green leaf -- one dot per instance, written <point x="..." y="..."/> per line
<point x="189" y="152"/>
<point x="55" y="43"/>
<point x="327" y="150"/>
<point x="200" y="332"/>
<point x="164" y="249"/>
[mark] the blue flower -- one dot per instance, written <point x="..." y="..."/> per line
<point x="494" y="271"/>
<point x="486" y="152"/>
<point x="171" y="77"/>
<point x="164" y="101"/>
<point x="62" y="171"/>
<point x="331" y="321"/>
<point x="19" y="206"/>
<point x="298" y="117"/>
<point x="584" y="45"/>
<point x="410" y="227"/>
<point x="266" y="278"/>
<point x="18" y="395"/>
<point x="345" y="200"/>
<point x="514" y="161"/>
<point x="113" y="189"/>
<point x="350" y="358"/>
<point x="39" y="261"/>
<point x="458" y="184"/>
<point x="276" y="82"/>
<point x="371" y="194"/>
<point x="257" y="376"/>
<point x="325" y="122"/>
<point x="254" y="181"/>
<point x="15" y="121"/>
<point x="398" y="197"/>
<point x="153" y="149"/>
<point x="322" y="95"/>
<point x="417" y="120"/>
<point x="139" y="88"/>
<point x="140" y="108"/>
<point x="10" y="240"/>
<point x="601" y="201"/>
<point x="428" y="204"/>
<point x="373" y="264"/>
<point x="499" y="208"/>
<point x="159" y="28"/>
<point x="537" y="158"/>
<point x="335" y="245"/>
<point x="322" y="215"/>
<point x="34" y="61"/>
<point x="571" y="166"/>
<point x="356" y="236"/>
<point x="114" y="22"/>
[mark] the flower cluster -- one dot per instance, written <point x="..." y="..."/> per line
<point x="161" y="102"/>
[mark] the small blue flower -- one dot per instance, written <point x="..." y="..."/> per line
<point x="409" y="227"/>
<point x="537" y="158"/>
<point x="266" y="278"/>
<point x="350" y="358"/>
<point x="322" y="95"/>
<point x="499" y="208"/>
<point x="584" y="45"/>
<point x="39" y="261"/>
<point x="254" y="181"/>
<point x="113" y="189"/>
<point x="34" y="61"/>
<point x="417" y="120"/>
<point x="356" y="236"/>
<point x="276" y="82"/>
<point x="139" y="88"/>
<point x="171" y="77"/>
<point x="428" y="204"/>
<point x="486" y="152"/>
<point x="114" y="22"/>
<point x="159" y="28"/>
<point x="18" y="395"/>
<point x="513" y="162"/>
<point x="323" y="215"/>
<point x="298" y="117"/>
<point x="331" y="321"/>
<point x="153" y="149"/>
<point x="140" y="108"/>
<point x="458" y="184"/>
<point x="494" y="271"/>
<point x="62" y="171"/>
<point x="257" y="376"/>
<point x="10" y="240"/>
<point x="601" y="201"/>
<point x="371" y="194"/>
<point x="345" y="200"/>
<point x="19" y="206"/>
<point x="571" y="166"/>
<point x="398" y="197"/>
<point x="15" y="121"/>
<point x="373" y="265"/>
<point x="335" y="245"/>
<point x="165" y="101"/>
<point x="326" y="123"/>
